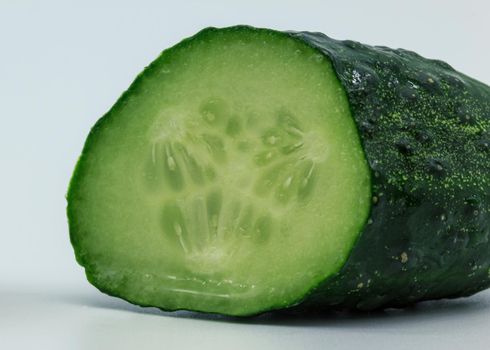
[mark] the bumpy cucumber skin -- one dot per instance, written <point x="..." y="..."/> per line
<point x="425" y="130"/>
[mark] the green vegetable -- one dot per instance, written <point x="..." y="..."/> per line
<point x="248" y="169"/>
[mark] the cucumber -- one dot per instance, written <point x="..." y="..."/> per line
<point x="248" y="170"/>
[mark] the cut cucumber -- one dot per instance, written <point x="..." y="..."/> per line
<point x="237" y="174"/>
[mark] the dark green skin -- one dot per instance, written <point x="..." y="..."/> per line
<point x="425" y="130"/>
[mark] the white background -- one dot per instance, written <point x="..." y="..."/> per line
<point x="63" y="64"/>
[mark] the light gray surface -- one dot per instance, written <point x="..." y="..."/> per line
<point x="63" y="64"/>
<point x="63" y="319"/>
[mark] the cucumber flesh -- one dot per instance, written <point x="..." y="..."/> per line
<point x="229" y="178"/>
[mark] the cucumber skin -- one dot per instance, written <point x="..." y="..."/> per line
<point x="425" y="131"/>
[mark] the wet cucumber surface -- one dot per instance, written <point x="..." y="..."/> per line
<point x="247" y="170"/>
